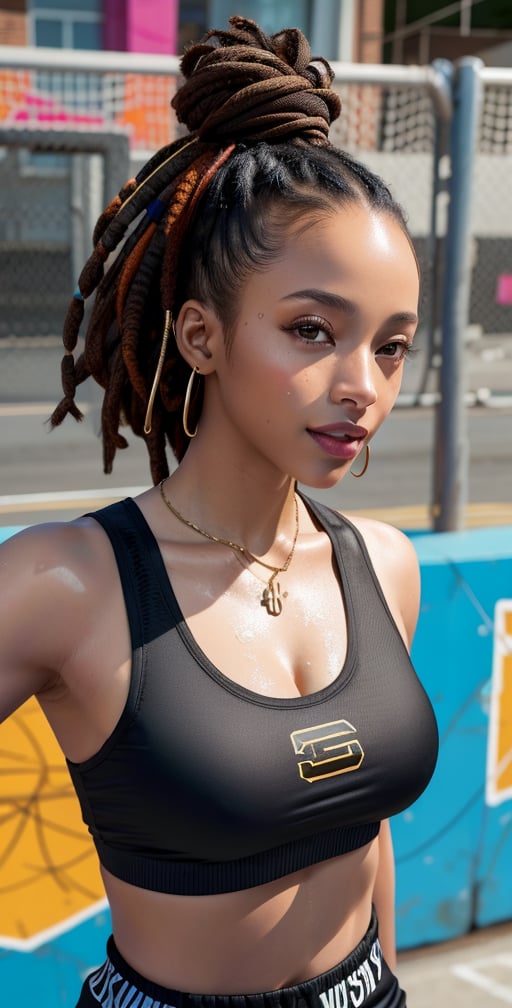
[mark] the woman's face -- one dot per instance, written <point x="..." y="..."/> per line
<point x="318" y="348"/>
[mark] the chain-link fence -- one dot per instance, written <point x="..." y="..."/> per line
<point x="73" y="128"/>
<point x="393" y="118"/>
<point x="49" y="198"/>
<point x="491" y="288"/>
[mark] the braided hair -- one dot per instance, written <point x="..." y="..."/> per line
<point x="200" y="216"/>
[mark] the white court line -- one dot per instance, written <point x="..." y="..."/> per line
<point x="34" y="409"/>
<point x="472" y="975"/>
<point x="49" y="934"/>
<point x="414" y="516"/>
<point x="49" y="497"/>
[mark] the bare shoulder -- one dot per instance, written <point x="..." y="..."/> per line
<point x="51" y="578"/>
<point x="52" y="557"/>
<point x="379" y="537"/>
<point x="394" y="558"/>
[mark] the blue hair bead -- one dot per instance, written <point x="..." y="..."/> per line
<point x="78" y="295"/>
<point x="156" y="210"/>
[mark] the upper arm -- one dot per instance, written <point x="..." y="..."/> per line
<point x="38" y="612"/>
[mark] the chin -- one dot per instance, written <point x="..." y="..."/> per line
<point x="324" y="481"/>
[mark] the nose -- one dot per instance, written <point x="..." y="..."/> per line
<point x="353" y="381"/>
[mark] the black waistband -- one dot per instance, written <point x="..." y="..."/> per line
<point x="354" y="981"/>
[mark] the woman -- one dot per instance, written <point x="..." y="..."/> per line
<point x="230" y="681"/>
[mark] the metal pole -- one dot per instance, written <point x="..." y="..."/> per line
<point x="432" y="267"/>
<point x="451" y="441"/>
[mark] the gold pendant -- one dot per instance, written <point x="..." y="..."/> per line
<point x="272" y="599"/>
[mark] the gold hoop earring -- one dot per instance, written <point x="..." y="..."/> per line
<point x="366" y="464"/>
<point x="186" y="404"/>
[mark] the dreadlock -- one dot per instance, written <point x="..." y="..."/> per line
<point x="195" y="222"/>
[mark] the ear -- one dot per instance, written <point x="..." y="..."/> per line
<point x="198" y="335"/>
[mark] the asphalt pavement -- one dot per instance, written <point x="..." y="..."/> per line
<point x="47" y="475"/>
<point x="470" y="972"/>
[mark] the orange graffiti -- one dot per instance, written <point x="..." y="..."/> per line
<point x="13" y="88"/>
<point x="48" y="865"/>
<point x="499" y="769"/>
<point x="146" y="110"/>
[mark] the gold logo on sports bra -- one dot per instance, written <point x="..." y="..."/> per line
<point x="329" y="749"/>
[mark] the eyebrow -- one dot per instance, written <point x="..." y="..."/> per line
<point x="344" y="305"/>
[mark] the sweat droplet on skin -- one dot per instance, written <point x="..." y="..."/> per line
<point x="245" y="636"/>
<point x="68" y="578"/>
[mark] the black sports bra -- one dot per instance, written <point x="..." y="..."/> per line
<point x="205" y="786"/>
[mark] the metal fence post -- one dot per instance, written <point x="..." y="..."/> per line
<point x="444" y="71"/>
<point x="451" y="458"/>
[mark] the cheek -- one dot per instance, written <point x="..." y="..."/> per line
<point x="388" y="388"/>
<point x="291" y="391"/>
<point x="260" y="389"/>
<point x="265" y="374"/>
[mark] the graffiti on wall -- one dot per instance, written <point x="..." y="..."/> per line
<point x="138" y="103"/>
<point x="49" y="878"/>
<point x="499" y="753"/>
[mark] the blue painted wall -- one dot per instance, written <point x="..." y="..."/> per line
<point x="453" y="847"/>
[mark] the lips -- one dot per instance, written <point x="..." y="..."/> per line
<point x="342" y="440"/>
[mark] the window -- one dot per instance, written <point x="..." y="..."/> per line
<point x="271" y="16"/>
<point x="68" y="24"/>
<point x="196" y="16"/>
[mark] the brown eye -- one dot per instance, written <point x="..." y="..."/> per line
<point x="312" y="330"/>
<point x="396" y="350"/>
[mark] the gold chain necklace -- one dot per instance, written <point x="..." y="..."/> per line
<point x="271" y="597"/>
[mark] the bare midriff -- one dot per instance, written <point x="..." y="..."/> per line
<point x="273" y="935"/>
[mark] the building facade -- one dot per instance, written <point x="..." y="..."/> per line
<point x="364" y="31"/>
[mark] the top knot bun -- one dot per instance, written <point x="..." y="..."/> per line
<point x="248" y="86"/>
